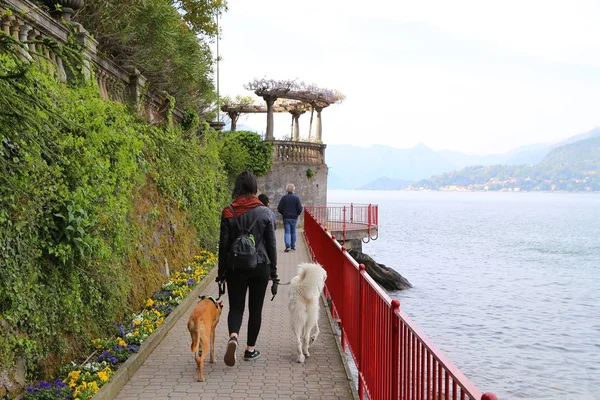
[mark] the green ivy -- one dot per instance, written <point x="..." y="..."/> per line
<point x="243" y="150"/>
<point x="69" y="166"/>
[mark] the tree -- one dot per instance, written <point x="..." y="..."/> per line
<point x="201" y="15"/>
<point x="153" y="36"/>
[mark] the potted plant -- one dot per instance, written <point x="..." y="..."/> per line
<point x="64" y="8"/>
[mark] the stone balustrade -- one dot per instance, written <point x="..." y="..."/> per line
<point x="298" y="152"/>
<point x="123" y="84"/>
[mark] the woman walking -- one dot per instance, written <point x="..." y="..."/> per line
<point x="246" y="214"/>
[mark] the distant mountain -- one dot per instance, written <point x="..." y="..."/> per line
<point x="354" y="167"/>
<point x="239" y="127"/>
<point x="593" y="133"/>
<point x="334" y="182"/>
<point x="572" y="167"/>
<point x="583" y="155"/>
<point x="385" y="183"/>
<point x="359" y="166"/>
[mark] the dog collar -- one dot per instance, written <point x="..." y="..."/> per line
<point x="209" y="297"/>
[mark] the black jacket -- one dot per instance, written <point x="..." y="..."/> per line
<point x="289" y="206"/>
<point x="264" y="235"/>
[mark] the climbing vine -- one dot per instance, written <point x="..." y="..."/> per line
<point x="246" y="150"/>
<point x="70" y="168"/>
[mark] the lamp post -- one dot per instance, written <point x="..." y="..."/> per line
<point x="218" y="93"/>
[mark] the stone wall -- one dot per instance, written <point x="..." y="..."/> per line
<point x="121" y="83"/>
<point x="312" y="191"/>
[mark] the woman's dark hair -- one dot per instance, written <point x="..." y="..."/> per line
<point x="245" y="185"/>
<point x="264" y="199"/>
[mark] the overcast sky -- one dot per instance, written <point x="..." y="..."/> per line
<point x="474" y="76"/>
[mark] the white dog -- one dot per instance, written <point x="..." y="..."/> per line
<point x="305" y="291"/>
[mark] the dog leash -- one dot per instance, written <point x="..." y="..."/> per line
<point x="221" y="289"/>
<point x="280" y="284"/>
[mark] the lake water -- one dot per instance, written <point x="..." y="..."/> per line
<point x="506" y="284"/>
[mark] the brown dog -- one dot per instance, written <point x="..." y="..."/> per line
<point x="202" y="324"/>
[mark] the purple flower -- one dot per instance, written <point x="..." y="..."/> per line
<point x="121" y="330"/>
<point x="44" y="385"/>
<point x="191" y="282"/>
<point x="31" y="389"/>
<point x="60" y="384"/>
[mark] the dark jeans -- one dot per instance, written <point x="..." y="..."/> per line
<point x="289" y="236"/>
<point x="255" y="283"/>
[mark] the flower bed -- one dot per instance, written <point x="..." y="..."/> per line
<point x="84" y="381"/>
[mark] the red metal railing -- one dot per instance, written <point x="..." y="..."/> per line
<point x="395" y="360"/>
<point x="342" y="217"/>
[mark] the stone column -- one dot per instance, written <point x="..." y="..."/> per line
<point x="23" y="35"/>
<point x="33" y="35"/>
<point x="24" y="32"/>
<point x="135" y="90"/>
<point x="6" y="24"/>
<point x="296" y="125"/>
<point x="319" y="128"/>
<point x="15" y="27"/>
<point x="90" y="45"/>
<point x="60" y="70"/>
<point x="102" y="78"/>
<point x="270" y="101"/>
<point x="233" y="115"/>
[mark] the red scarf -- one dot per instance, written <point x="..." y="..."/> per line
<point x="242" y="205"/>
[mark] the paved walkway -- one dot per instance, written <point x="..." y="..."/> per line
<point x="170" y="371"/>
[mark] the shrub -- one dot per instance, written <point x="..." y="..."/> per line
<point x="244" y="150"/>
<point x="70" y="166"/>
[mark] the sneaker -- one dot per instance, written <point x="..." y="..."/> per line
<point x="230" y="352"/>
<point x="293" y="248"/>
<point x="287" y="250"/>
<point x="251" y="355"/>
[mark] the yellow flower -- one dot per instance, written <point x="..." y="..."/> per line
<point x="73" y="377"/>
<point x="149" y="303"/>
<point x="93" y="386"/>
<point x="74" y="374"/>
<point x="121" y="342"/>
<point x="137" y="322"/>
<point x="103" y="376"/>
<point x="80" y="388"/>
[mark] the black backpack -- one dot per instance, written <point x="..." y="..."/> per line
<point x="242" y="254"/>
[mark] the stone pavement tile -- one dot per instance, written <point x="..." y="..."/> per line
<point x="170" y="371"/>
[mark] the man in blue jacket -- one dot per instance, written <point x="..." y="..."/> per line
<point x="290" y="208"/>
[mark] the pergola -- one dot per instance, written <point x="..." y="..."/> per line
<point x="286" y="96"/>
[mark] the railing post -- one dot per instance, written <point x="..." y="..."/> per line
<point x="343" y="338"/>
<point x="369" y="220"/>
<point x="351" y="212"/>
<point x="344" y="223"/>
<point x="361" y="304"/>
<point x="395" y="351"/>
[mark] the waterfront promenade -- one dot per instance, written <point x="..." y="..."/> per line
<point x="169" y="372"/>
